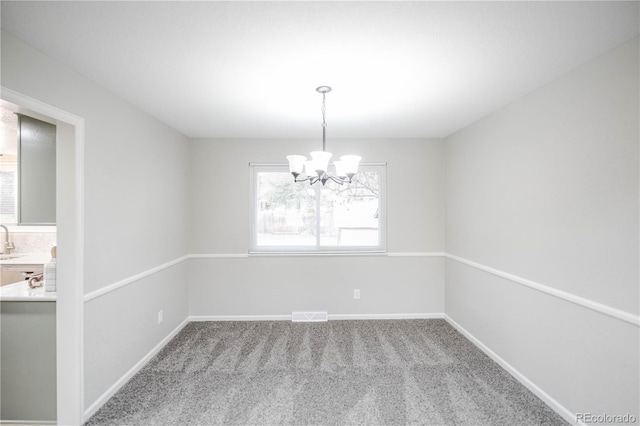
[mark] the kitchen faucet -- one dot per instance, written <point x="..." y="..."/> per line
<point x="8" y="245"/>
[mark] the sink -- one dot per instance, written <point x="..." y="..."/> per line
<point x="10" y="256"/>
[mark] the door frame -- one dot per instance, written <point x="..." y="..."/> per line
<point x="70" y="268"/>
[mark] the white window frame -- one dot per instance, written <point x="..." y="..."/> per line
<point x="381" y="248"/>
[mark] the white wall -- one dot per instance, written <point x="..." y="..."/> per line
<point x="279" y="285"/>
<point x="121" y="328"/>
<point x="136" y="200"/>
<point x="546" y="189"/>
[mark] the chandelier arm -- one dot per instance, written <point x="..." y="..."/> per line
<point x="335" y="179"/>
<point x="295" y="179"/>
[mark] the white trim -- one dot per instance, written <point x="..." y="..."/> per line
<point x="285" y="164"/>
<point x="337" y="317"/>
<point x="132" y="371"/>
<point x="218" y="256"/>
<point x="28" y="422"/>
<point x="327" y="253"/>
<point x="79" y="273"/>
<point x="351" y="253"/>
<point x="332" y="317"/>
<point x="569" y="297"/>
<point x="115" y="286"/>
<point x="199" y="318"/>
<point x="69" y="321"/>
<point x="287" y="254"/>
<point x="545" y="397"/>
<point x="416" y="254"/>
<point x="309" y="316"/>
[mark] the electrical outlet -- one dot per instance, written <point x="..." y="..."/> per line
<point x="160" y="317"/>
<point x="356" y="293"/>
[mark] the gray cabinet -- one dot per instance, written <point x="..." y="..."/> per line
<point x="37" y="172"/>
<point x="28" y="362"/>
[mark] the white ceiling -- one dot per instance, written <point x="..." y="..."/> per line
<point x="250" y="69"/>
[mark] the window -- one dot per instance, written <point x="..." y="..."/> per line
<point x="9" y="165"/>
<point x="293" y="216"/>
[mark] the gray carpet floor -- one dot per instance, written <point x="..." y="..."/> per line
<point x="388" y="372"/>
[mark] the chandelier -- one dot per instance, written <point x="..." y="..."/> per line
<point x="316" y="169"/>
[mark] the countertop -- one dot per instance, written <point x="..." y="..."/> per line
<point x="27" y="259"/>
<point x="20" y="292"/>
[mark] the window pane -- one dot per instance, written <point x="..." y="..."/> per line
<point x="8" y="194"/>
<point x="349" y="213"/>
<point x="296" y="216"/>
<point x="286" y="211"/>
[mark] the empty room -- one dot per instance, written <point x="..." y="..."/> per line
<point x="287" y="213"/>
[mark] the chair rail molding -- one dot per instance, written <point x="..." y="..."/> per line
<point x="569" y="297"/>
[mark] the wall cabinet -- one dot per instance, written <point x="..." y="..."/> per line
<point x="37" y="172"/>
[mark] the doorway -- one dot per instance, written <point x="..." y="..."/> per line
<point x="70" y="242"/>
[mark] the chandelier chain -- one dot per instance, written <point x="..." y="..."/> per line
<point x="324" y="111"/>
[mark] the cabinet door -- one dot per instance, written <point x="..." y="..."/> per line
<point x="28" y="362"/>
<point x="37" y="172"/>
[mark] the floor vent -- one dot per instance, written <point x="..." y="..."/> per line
<point x="309" y="316"/>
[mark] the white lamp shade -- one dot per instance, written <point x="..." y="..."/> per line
<point x="340" y="170"/>
<point x="296" y="163"/>
<point x="350" y="163"/>
<point x="321" y="160"/>
<point x="310" y="169"/>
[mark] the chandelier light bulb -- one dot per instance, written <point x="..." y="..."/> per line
<point x="351" y="163"/>
<point x="321" y="160"/>
<point x="296" y="164"/>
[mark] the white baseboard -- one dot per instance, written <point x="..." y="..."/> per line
<point x="331" y="317"/>
<point x="384" y="316"/>
<point x="93" y="408"/>
<point x="197" y="318"/>
<point x="545" y="397"/>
